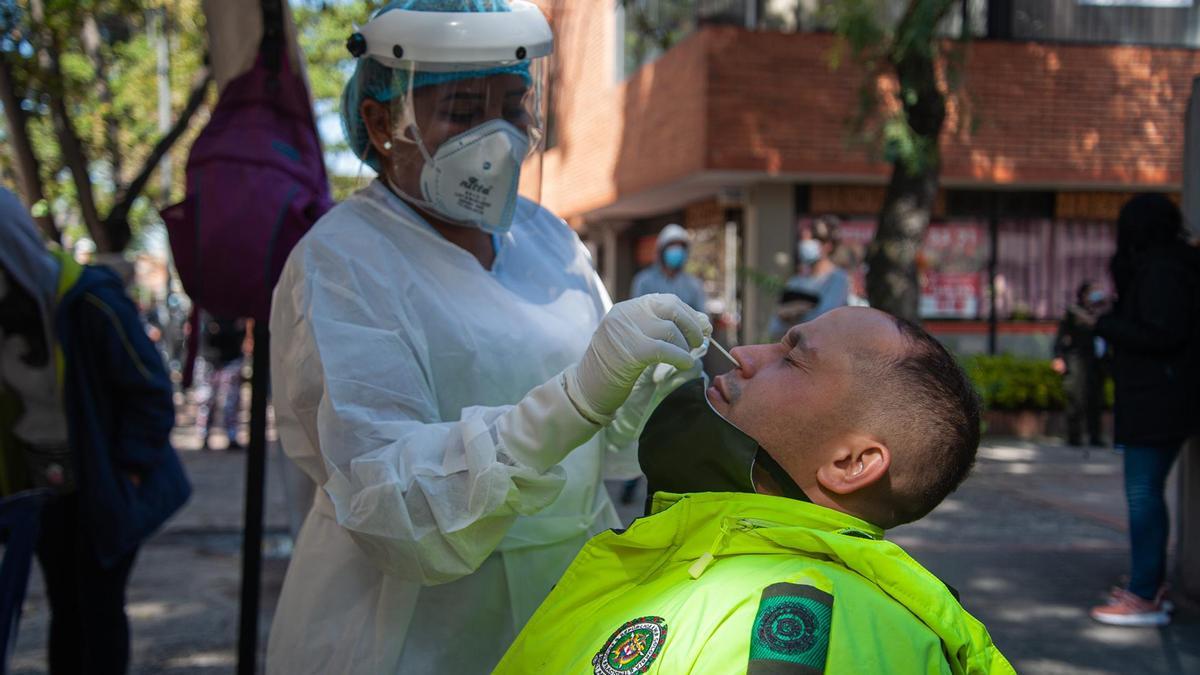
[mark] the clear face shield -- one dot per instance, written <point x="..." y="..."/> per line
<point x="461" y="134"/>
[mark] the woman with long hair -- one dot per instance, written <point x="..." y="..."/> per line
<point x="1153" y="333"/>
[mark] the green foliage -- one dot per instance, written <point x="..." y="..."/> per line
<point x="654" y="26"/>
<point x="342" y="187"/>
<point x="322" y="29"/>
<point x="1007" y="382"/>
<point x="769" y="284"/>
<point x="128" y="52"/>
<point x="879" y="43"/>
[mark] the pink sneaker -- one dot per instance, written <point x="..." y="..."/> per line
<point x="1126" y="609"/>
<point x="1160" y="597"/>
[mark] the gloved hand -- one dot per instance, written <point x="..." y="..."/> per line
<point x="633" y="336"/>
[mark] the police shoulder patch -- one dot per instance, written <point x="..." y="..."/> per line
<point x="632" y="648"/>
<point x="791" y="630"/>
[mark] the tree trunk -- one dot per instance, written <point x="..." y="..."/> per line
<point x="892" y="281"/>
<point x="77" y="163"/>
<point x="27" y="165"/>
<point x="70" y="147"/>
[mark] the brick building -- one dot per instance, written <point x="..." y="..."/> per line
<point x="741" y="133"/>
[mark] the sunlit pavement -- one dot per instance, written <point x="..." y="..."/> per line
<point x="1033" y="539"/>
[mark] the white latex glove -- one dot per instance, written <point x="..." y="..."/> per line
<point x="633" y="336"/>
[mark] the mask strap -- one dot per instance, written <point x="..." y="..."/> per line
<point x="786" y="485"/>
<point x="420" y="141"/>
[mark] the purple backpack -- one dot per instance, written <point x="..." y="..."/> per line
<point x="255" y="184"/>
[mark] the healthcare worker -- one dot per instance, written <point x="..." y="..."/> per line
<point x="667" y="275"/>
<point x="444" y="364"/>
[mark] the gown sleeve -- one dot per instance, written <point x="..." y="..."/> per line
<point x="426" y="500"/>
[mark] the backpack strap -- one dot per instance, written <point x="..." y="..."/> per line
<point x="272" y="45"/>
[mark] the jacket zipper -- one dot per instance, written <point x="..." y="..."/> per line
<point x="728" y="527"/>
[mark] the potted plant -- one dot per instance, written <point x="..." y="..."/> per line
<point x="1021" y="396"/>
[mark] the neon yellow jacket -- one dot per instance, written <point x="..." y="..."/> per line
<point x="735" y="583"/>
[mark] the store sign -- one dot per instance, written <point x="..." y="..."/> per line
<point x="1135" y="3"/>
<point x="952" y="266"/>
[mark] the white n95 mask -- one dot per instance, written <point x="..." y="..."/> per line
<point x="473" y="177"/>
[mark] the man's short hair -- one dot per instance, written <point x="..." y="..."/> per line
<point x="926" y="408"/>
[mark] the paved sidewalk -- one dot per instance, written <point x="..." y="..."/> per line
<point x="1033" y="539"/>
<point x="184" y="592"/>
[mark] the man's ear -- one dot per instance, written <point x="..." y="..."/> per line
<point x="860" y="462"/>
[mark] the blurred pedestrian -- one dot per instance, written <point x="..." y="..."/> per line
<point x="84" y="373"/>
<point x="224" y="350"/>
<point x="667" y="275"/>
<point x="1153" y="334"/>
<point x="821" y="284"/>
<point x="1078" y="357"/>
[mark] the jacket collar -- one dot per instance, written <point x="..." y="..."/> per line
<point x="707" y="526"/>
<point x="777" y="511"/>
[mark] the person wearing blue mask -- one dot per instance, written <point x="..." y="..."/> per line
<point x="821" y="284"/>
<point x="445" y="364"/>
<point x="667" y="274"/>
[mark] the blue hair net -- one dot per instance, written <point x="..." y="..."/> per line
<point x="376" y="81"/>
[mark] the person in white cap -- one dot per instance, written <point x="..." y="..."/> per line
<point x="667" y="275"/>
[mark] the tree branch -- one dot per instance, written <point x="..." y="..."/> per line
<point x="71" y="148"/>
<point x="26" y="161"/>
<point x="119" y="214"/>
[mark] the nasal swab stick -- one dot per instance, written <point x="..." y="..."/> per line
<point x="724" y="352"/>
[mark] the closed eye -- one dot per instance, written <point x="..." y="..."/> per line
<point x="798" y="350"/>
<point x="795" y="360"/>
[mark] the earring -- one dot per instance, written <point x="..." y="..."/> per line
<point x="387" y="145"/>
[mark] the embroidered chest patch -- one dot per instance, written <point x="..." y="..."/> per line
<point x="791" y="630"/>
<point x="632" y="648"/>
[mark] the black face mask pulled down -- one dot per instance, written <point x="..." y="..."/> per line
<point x="686" y="446"/>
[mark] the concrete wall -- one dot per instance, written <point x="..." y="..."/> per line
<point x="1187" y="562"/>
<point x="1033" y="345"/>
<point x="768" y="236"/>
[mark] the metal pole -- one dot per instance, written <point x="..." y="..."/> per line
<point x="252" y="535"/>
<point x="993" y="254"/>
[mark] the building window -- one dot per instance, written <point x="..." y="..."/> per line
<point x="1145" y="22"/>
<point x="952" y="265"/>
<point x="1041" y="262"/>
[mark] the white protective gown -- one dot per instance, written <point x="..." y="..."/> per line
<point x="432" y="538"/>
